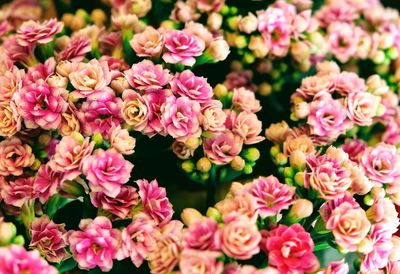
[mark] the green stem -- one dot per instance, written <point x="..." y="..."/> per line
<point x="212" y="186"/>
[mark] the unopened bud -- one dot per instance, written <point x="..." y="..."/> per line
<point x="274" y="151"/>
<point x="264" y="89"/>
<point x="281" y="159"/>
<point x="248" y="169"/>
<point x="98" y="139"/>
<point x="44" y="140"/>
<point x="7" y="233"/>
<point x="212" y="212"/>
<point x="98" y="17"/>
<point x="19" y="240"/>
<point x="203" y="165"/>
<point x="67" y="19"/>
<point x="36" y="164"/>
<point x="277" y="132"/>
<point x="288" y="172"/>
<point x="214" y="21"/>
<point x="237" y="163"/>
<point x="190" y="216"/>
<point x="220" y="91"/>
<point x="233" y="22"/>
<point x="297" y="159"/>
<point x="192" y="143"/>
<point x="301" y="209"/>
<point x="299" y="178"/>
<point x="240" y="41"/>
<point x="187" y="166"/>
<point x="78" y="23"/>
<point x="251" y="154"/>
<point x="248" y="24"/>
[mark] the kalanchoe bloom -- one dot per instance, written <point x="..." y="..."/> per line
<point x="349" y="226"/>
<point x="379" y="247"/>
<point x="107" y="171"/>
<point x="49" y="239"/>
<point x="14" y="156"/>
<point x="40" y="71"/>
<point x="290" y="249"/>
<point x="147" y="77"/>
<point x="313" y="85"/>
<point x="223" y="148"/>
<point x="383" y="211"/>
<point x="191" y="260"/>
<point x="347" y="83"/>
<point x="191" y="86"/>
<point x="327" y="176"/>
<point x="342" y="40"/>
<point x="240" y="237"/>
<point x="213" y="117"/>
<point x="69" y="155"/>
<point x="41" y="105"/>
<point x="247" y="126"/>
<point x="181" y="117"/>
<point x="69" y="121"/>
<point x="201" y="32"/>
<point x="47" y="182"/>
<point x="135" y="109"/>
<point x="207" y="5"/>
<point x="10" y="82"/>
<point x="17" y="53"/>
<point x="381" y="164"/>
<point x="165" y="255"/>
<point x="339" y="267"/>
<point x="239" y="79"/>
<point x="10" y="120"/>
<point x="88" y="78"/>
<point x="76" y="50"/>
<point x="14" y="259"/>
<point x="155" y="201"/>
<point x="18" y="192"/>
<point x="139" y="239"/>
<point x="148" y="43"/>
<point x="328" y="207"/>
<point x="354" y="148"/>
<point x="271" y="196"/>
<point x="31" y="32"/>
<point x="156" y="102"/>
<point x="182" y="48"/>
<point x="327" y="117"/>
<point x="245" y="100"/>
<point x="121" y="141"/>
<point x="203" y="234"/>
<point x="248" y="269"/>
<point x="121" y="206"/>
<point x="96" y="244"/>
<point x="100" y="113"/>
<point x="242" y="204"/>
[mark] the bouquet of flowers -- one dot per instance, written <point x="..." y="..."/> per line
<point x="107" y="106"/>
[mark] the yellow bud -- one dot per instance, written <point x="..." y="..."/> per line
<point x="203" y="164"/>
<point x="98" y="17"/>
<point x="264" y="89"/>
<point x="299" y="178"/>
<point x="192" y="143"/>
<point x="212" y="212"/>
<point x="77" y="136"/>
<point x="78" y="23"/>
<point x="44" y="140"/>
<point x="190" y="216"/>
<point x="281" y="159"/>
<point x="187" y="166"/>
<point x="67" y="19"/>
<point x="237" y="163"/>
<point x="240" y="41"/>
<point x="220" y="91"/>
<point x="297" y="159"/>
<point x="36" y="164"/>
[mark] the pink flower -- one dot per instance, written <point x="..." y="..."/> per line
<point x="275" y="29"/>
<point x="247" y="126"/>
<point x="213" y="117"/>
<point x="271" y="196"/>
<point x="156" y="102"/>
<point x="139" y="239"/>
<point x="49" y="239"/>
<point x="14" y="156"/>
<point x="313" y="85"/>
<point x="203" y="234"/>
<point x="107" y="171"/>
<point x="393" y="267"/>
<point x="165" y="256"/>
<point x="41" y="105"/>
<point x="191" y="86"/>
<point x="184" y="12"/>
<point x="181" y="117"/>
<point x="354" y="148"/>
<point x="245" y="100"/>
<point x="381" y="163"/>
<point x="340" y="12"/>
<point x="383" y="211"/>
<point x="89" y="78"/>
<point x="32" y="32"/>
<point x="290" y="249"/>
<point x="248" y="269"/>
<point x="18" y="192"/>
<point x="76" y="50"/>
<point x="381" y="246"/>
<point x="47" y="182"/>
<point x="208" y="5"/>
<point x="17" y="53"/>
<point x="347" y="83"/>
<point x="327" y="176"/>
<point x="69" y="155"/>
<point x="223" y="148"/>
<point x="96" y="244"/>
<point x="193" y="260"/>
<point x="40" y="71"/>
<point x="349" y="226"/>
<point x="328" y="207"/>
<point x="121" y="141"/>
<point x="181" y="48"/>
<point x="339" y="267"/>
<point x="100" y="113"/>
<point x="201" y="32"/>
<point x="148" y="43"/>
<point x="15" y="259"/>
<point x="155" y="201"/>
<point x="327" y="117"/>
<point x="242" y="204"/>
<point x="147" y="77"/>
<point x="342" y="40"/>
<point x="121" y="206"/>
<point x="239" y="79"/>
<point x="240" y="238"/>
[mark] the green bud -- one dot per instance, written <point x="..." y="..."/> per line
<point x="251" y="154"/>
<point x="393" y="53"/>
<point x="19" y="240"/>
<point x="281" y="159"/>
<point x="274" y="151"/>
<point x="289" y="181"/>
<point x="288" y="172"/>
<point x="188" y="166"/>
<point x="212" y="212"/>
<point x="98" y="139"/>
<point x="299" y="178"/>
<point x="247" y="169"/>
<point x="224" y="10"/>
<point x="233" y="10"/>
<point x="368" y="200"/>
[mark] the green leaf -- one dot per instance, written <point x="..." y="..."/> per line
<point x="66" y="265"/>
<point x="55" y="203"/>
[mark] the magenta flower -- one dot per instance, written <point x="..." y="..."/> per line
<point x="191" y="86"/>
<point x="181" y="117"/>
<point x="191" y="260"/>
<point x="381" y="247"/>
<point x="32" y="32"/>
<point x="223" y="148"/>
<point x="121" y="206"/>
<point x="96" y="244"/>
<point x="202" y="235"/>
<point x="354" y="148"/>
<point x="147" y="77"/>
<point x="41" y="105"/>
<point x="40" y="71"/>
<point x="290" y="249"/>
<point x="271" y="196"/>
<point x="182" y="48"/>
<point x="18" y="192"/>
<point x="76" y="50"/>
<point x="49" y="238"/>
<point x="155" y="201"/>
<point x="107" y="171"/>
<point x="381" y="163"/>
<point x="339" y="267"/>
<point x="15" y="259"/>
<point x="47" y="182"/>
<point x="139" y="239"/>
